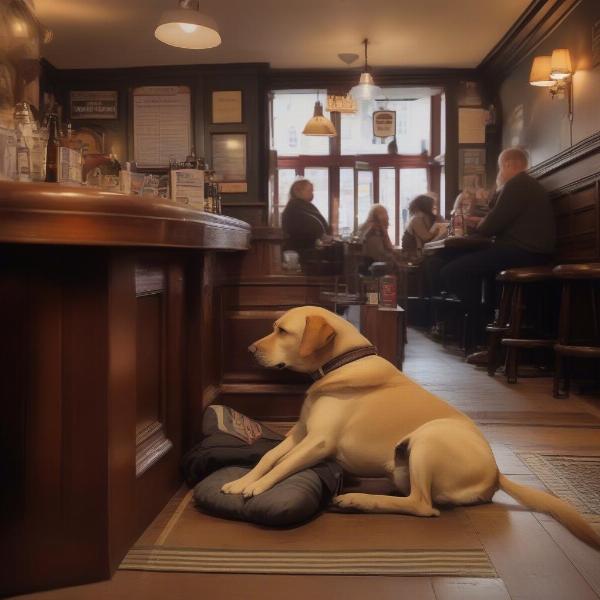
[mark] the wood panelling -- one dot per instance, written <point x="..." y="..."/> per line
<point x="385" y="329"/>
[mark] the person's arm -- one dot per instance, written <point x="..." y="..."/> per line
<point x="508" y="207"/>
<point x="420" y="229"/>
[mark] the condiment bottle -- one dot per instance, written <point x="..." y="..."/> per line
<point x="52" y="150"/>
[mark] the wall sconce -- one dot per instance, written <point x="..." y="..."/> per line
<point x="555" y="73"/>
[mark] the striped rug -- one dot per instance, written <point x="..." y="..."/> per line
<point x="333" y="544"/>
<point x="462" y="563"/>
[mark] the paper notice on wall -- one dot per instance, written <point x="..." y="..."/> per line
<point x="471" y="125"/>
<point x="162" y="125"/>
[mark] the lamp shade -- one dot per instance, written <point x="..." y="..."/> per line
<point x="560" y="64"/>
<point x="187" y="28"/>
<point x="366" y="88"/>
<point x="319" y="124"/>
<point x="540" y="72"/>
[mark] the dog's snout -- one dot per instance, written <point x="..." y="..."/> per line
<point x="252" y="349"/>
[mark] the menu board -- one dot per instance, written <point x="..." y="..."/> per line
<point x="162" y="125"/>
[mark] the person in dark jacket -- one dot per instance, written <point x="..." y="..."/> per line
<point x="301" y="219"/>
<point x="521" y="223"/>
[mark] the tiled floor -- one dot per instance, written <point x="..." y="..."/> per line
<point x="534" y="556"/>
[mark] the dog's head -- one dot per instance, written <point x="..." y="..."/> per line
<point x="304" y="338"/>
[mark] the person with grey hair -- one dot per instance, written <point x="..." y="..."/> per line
<point x="521" y="223"/>
<point x="301" y="219"/>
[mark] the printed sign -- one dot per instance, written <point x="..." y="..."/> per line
<point x="384" y="123"/>
<point x="94" y="105"/>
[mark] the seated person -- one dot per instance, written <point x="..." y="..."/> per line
<point x="521" y="222"/>
<point x="302" y="221"/>
<point x="376" y="243"/>
<point x="423" y="226"/>
<point x="473" y="204"/>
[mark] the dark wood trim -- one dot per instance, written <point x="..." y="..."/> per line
<point x="417" y="161"/>
<point x="589" y="145"/>
<point x="341" y="80"/>
<point x="537" y="22"/>
<point x="575" y="186"/>
<point x="54" y="214"/>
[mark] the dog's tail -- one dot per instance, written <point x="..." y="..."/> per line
<point x="562" y="511"/>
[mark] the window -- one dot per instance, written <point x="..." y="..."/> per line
<point x="390" y="179"/>
<point x="412" y="183"/>
<point x="320" y="181"/>
<point x="291" y="111"/>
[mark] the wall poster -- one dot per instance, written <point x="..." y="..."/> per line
<point x="471" y="125"/>
<point x="162" y="125"/>
<point x="471" y="168"/>
<point x="229" y="157"/>
<point x="227" y="107"/>
<point x="94" y="105"/>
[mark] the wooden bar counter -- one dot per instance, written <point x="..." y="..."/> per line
<point x="108" y="345"/>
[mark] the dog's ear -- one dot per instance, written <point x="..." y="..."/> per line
<point x="317" y="334"/>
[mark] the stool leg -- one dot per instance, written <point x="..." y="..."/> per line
<point x="515" y="331"/>
<point x="501" y="321"/>
<point x="563" y="336"/>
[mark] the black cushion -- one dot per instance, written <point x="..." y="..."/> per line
<point x="232" y="444"/>
<point x="289" y="502"/>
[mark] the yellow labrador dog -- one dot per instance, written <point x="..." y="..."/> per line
<point x="375" y="421"/>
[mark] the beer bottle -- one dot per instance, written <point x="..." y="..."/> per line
<point x="52" y="150"/>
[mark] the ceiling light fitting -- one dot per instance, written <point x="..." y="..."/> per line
<point x="185" y="27"/>
<point x="319" y="124"/>
<point x="366" y="88"/>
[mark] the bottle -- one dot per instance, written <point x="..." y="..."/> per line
<point x="23" y="157"/>
<point x="458" y="224"/>
<point x="52" y="150"/>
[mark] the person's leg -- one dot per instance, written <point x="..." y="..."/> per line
<point x="432" y="267"/>
<point x="463" y="275"/>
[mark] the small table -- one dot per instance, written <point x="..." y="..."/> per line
<point x="459" y="243"/>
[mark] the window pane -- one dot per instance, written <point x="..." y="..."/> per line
<point x="291" y="112"/>
<point x="365" y="194"/>
<point x="413" y="124"/>
<point x="286" y="178"/>
<point x="412" y="183"/>
<point x="346" y="210"/>
<point x="320" y="180"/>
<point x="387" y="197"/>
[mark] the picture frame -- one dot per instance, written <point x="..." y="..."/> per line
<point x="84" y="104"/>
<point x="229" y="157"/>
<point x="384" y="123"/>
<point x="227" y="107"/>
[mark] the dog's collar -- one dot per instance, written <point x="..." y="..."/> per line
<point x="343" y="359"/>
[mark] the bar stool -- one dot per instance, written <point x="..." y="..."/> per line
<point x="507" y="328"/>
<point x="586" y="276"/>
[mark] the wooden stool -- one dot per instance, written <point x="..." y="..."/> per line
<point x="588" y="275"/>
<point x="507" y="327"/>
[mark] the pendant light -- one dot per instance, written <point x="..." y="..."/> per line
<point x="366" y="88"/>
<point x="185" y="27"/>
<point x="319" y="124"/>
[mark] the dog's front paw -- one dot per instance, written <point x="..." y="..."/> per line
<point x="256" y="488"/>
<point x="350" y="502"/>
<point x="235" y="487"/>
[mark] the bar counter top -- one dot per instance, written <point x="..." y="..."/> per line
<point x="49" y="213"/>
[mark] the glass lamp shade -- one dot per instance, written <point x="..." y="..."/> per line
<point x="540" y="72"/>
<point x="319" y="125"/>
<point x="560" y="64"/>
<point x="187" y="28"/>
<point x="366" y="88"/>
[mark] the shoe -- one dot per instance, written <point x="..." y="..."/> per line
<point x="478" y="358"/>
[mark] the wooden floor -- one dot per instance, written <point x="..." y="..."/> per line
<point x="535" y="558"/>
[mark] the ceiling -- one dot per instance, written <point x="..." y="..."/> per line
<point x="284" y="33"/>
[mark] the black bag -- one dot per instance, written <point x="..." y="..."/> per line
<point x="409" y="242"/>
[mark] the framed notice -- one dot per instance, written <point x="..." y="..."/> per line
<point x="162" y="125"/>
<point x="229" y="157"/>
<point x="93" y="105"/>
<point x="469" y="93"/>
<point x="471" y="125"/>
<point x="471" y="168"/>
<point x="384" y="123"/>
<point x="227" y="107"/>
